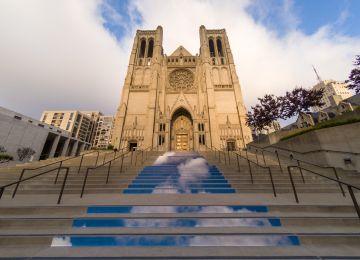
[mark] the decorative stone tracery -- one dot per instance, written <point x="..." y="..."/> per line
<point x="181" y="79"/>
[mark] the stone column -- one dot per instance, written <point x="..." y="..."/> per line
<point x="73" y="152"/>
<point x="54" y="146"/>
<point x="66" y="146"/>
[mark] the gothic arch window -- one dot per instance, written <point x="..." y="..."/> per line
<point x="211" y="48"/>
<point x="142" y="48"/>
<point x="150" y="48"/>
<point x="219" y="47"/>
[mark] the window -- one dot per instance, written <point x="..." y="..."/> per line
<point x="150" y="48"/>
<point x="68" y="126"/>
<point x="219" y="47"/>
<point x="161" y="127"/>
<point x="71" y="116"/>
<point x="201" y="127"/>
<point x="211" y="48"/>
<point x="161" y="139"/>
<point x="202" y="139"/>
<point x="142" y="48"/>
<point x="44" y="118"/>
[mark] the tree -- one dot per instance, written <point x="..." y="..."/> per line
<point x="25" y="153"/>
<point x="272" y="108"/>
<point x="354" y="78"/>
<point x="265" y="113"/>
<point x="300" y="100"/>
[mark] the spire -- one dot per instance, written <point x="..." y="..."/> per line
<point x="317" y="74"/>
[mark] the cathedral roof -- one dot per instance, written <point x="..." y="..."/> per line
<point x="181" y="51"/>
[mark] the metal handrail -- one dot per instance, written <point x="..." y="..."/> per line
<point x="109" y="167"/>
<point x="340" y="183"/>
<point x="17" y="183"/>
<point x="249" y="165"/>
<point x="292" y="158"/>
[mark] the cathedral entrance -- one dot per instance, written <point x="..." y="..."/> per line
<point x="181" y="131"/>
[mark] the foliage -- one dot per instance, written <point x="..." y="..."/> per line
<point x="325" y="124"/>
<point x="264" y="113"/>
<point x="24" y="153"/>
<point x="5" y="157"/>
<point x="272" y="108"/>
<point x="300" y="100"/>
<point x="2" y="149"/>
<point x="110" y="147"/>
<point x="354" y="78"/>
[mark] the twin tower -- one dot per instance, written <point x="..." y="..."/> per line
<point x="181" y="102"/>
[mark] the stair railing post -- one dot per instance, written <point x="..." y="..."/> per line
<point x="237" y="159"/>
<point x="57" y="174"/>
<point x="293" y="184"/>
<point x="301" y="172"/>
<point x="104" y="158"/>
<point x="272" y="182"/>
<point x="2" y="192"/>
<point x="337" y="177"/>
<point x="278" y="159"/>
<point x="81" y="160"/>
<point x="353" y="198"/>
<point x="17" y="184"/>
<point x="63" y="185"/>
<point x="97" y="157"/>
<point x="263" y="157"/>
<point x="122" y="162"/>
<point x="250" y="171"/>
<point x="84" y="182"/>
<point x="108" y="172"/>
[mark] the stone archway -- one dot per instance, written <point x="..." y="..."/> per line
<point x="181" y="130"/>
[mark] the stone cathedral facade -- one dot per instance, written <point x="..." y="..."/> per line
<point x="181" y="101"/>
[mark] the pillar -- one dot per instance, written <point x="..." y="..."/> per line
<point x="54" y="146"/>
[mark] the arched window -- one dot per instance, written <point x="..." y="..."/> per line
<point x="211" y="48"/>
<point x="142" y="48"/>
<point x="219" y="47"/>
<point x="150" y="48"/>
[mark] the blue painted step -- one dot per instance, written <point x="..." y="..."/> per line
<point x="180" y="191"/>
<point x="175" y="240"/>
<point x="176" y="209"/>
<point x="174" y="223"/>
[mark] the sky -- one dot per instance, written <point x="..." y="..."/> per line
<point x="73" y="54"/>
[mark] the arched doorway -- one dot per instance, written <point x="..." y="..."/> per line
<point x="181" y="130"/>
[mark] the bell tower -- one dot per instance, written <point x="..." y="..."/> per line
<point x="134" y="121"/>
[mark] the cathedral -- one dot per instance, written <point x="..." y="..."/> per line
<point x="182" y="101"/>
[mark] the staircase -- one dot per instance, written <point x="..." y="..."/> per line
<point x="179" y="206"/>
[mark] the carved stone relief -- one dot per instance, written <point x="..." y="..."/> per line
<point x="181" y="79"/>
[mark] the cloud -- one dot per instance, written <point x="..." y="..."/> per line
<point x="163" y="159"/>
<point x="60" y="241"/>
<point x="265" y="62"/>
<point x="59" y="55"/>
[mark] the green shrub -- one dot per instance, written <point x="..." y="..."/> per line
<point x="25" y="153"/>
<point x="325" y="124"/>
<point x="5" y="157"/>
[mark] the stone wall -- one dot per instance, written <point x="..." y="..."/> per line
<point x="335" y="146"/>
